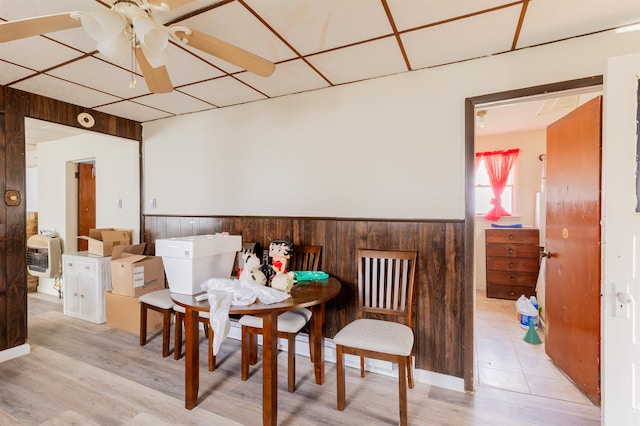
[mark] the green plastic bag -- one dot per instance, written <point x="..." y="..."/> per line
<point x="310" y="275"/>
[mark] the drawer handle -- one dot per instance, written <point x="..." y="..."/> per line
<point x="511" y="236"/>
<point x="512" y="293"/>
<point x="512" y="279"/>
<point x="511" y="251"/>
<point x="511" y="265"/>
<point x="87" y="268"/>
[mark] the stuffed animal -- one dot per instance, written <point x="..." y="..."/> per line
<point x="251" y="270"/>
<point x="283" y="282"/>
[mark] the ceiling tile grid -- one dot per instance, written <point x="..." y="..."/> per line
<point x="313" y="44"/>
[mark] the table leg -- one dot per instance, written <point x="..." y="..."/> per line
<point x="317" y="321"/>
<point x="270" y="369"/>
<point x="192" y="358"/>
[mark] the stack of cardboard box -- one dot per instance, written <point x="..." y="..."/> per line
<point x="132" y="275"/>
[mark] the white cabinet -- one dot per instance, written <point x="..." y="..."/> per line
<point x="85" y="279"/>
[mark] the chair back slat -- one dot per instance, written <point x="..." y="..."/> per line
<point x="305" y="258"/>
<point x="385" y="283"/>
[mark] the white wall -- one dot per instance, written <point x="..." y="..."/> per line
<point x="117" y="177"/>
<point x="621" y="233"/>
<point x="527" y="180"/>
<point x="390" y="147"/>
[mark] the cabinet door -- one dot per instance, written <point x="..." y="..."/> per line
<point x="87" y="296"/>
<point x="71" y="292"/>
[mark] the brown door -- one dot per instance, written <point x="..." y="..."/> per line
<point x="572" y="293"/>
<point x="86" y="201"/>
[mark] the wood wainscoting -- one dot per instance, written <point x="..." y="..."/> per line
<point x="440" y="315"/>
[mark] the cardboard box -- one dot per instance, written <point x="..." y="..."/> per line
<point x="123" y="312"/>
<point x="134" y="274"/>
<point x="102" y="240"/>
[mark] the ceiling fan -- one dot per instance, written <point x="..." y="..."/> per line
<point x="130" y="25"/>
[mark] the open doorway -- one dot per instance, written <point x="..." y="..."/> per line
<point x="517" y="120"/>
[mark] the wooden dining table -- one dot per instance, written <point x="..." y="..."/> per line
<point x="305" y="294"/>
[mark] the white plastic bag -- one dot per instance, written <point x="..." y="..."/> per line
<point x="266" y="295"/>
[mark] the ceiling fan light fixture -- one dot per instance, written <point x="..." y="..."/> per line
<point x="115" y="48"/>
<point x="102" y="25"/>
<point x="156" y="58"/>
<point x="151" y="35"/>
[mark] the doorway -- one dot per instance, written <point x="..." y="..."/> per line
<point x="500" y="106"/>
<point x="86" y="176"/>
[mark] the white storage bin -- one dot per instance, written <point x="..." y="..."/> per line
<point x="190" y="261"/>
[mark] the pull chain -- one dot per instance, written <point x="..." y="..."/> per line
<point x="134" y="78"/>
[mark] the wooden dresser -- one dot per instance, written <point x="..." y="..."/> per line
<point x="512" y="262"/>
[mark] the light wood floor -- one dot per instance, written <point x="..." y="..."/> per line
<point x="86" y="374"/>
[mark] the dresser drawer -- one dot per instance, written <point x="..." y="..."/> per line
<point x="79" y="265"/>
<point x="512" y="278"/>
<point x="513" y="264"/>
<point x="520" y="236"/>
<point x="509" y="291"/>
<point x="512" y="250"/>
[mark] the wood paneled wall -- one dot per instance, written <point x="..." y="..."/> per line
<point x="440" y="317"/>
<point x="15" y="106"/>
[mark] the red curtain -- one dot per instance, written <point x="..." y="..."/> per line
<point x="498" y="164"/>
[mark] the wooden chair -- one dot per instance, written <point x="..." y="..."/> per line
<point x="304" y="258"/>
<point x="159" y="301"/>
<point x="385" y="290"/>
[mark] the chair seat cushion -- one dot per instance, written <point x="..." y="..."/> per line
<point x="288" y="322"/>
<point x="181" y="309"/>
<point x="376" y="335"/>
<point x="161" y="299"/>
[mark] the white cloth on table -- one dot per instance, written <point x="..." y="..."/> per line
<point x="224" y="292"/>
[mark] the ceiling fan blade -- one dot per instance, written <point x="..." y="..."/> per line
<point x="22" y="28"/>
<point x="157" y="79"/>
<point x="228" y="52"/>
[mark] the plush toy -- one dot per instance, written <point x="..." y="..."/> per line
<point x="251" y="270"/>
<point x="283" y="282"/>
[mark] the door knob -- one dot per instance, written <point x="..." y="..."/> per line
<point x="547" y="254"/>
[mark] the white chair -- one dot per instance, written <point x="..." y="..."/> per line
<point x="159" y="301"/>
<point x="289" y="323"/>
<point x="385" y="290"/>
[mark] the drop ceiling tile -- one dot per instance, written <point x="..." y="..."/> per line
<point x="101" y="75"/>
<point x="314" y="26"/>
<point x="10" y="72"/>
<point x="412" y="14"/>
<point x="133" y="111"/>
<point x="234" y="24"/>
<point x="76" y="38"/>
<point x="36" y="53"/>
<point x="185" y="68"/>
<point x="12" y="9"/>
<point x="62" y="90"/>
<point x="289" y="77"/>
<point x="174" y="102"/>
<point x="223" y="92"/>
<point x="461" y="39"/>
<point x="549" y="20"/>
<point x="360" y="62"/>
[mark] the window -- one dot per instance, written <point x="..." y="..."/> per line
<point x="495" y="183"/>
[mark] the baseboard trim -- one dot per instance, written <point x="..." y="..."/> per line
<point x="15" y="352"/>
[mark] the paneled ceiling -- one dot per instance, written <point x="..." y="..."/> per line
<point x="315" y="44"/>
